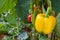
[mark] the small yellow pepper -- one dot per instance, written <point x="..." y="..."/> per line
<point x="45" y="25"/>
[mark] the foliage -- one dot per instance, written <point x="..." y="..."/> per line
<point x="57" y="28"/>
<point x="6" y="5"/>
<point x="22" y="9"/>
<point x="56" y="5"/>
<point x="13" y="16"/>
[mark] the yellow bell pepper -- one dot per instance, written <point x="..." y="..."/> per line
<point x="45" y="25"/>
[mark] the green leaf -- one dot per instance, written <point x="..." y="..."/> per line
<point x="4" y="28"/>
<point x="9" y="29"/>
<point x="2" y="3"/>
<point x="1" y="24"/>
<point x="56" y="5"/>
<point x="43" y="38"/>
<point x="22" y="9"/>
<point x="11" y="19"/>
<point x="6" y="5"/>
<point x="57" y="28"/>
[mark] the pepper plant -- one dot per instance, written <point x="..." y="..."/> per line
<point x="30" y="19"/>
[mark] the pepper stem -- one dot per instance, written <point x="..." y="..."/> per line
<point x="49" y="9"/>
